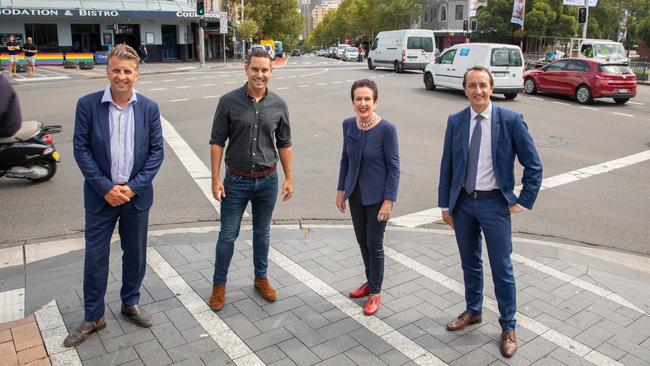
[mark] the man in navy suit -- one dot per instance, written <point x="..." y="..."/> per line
<point x="118" y="146"/>
<point x="476" y="194"/>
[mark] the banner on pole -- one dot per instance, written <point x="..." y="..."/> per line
<point x="472" y="5"/>
<point x="518" y="9"/>
<point x="592" y="3"/>
<point x="223" y="23"/>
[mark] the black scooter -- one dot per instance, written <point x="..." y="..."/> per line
<point x="30" y="153"/>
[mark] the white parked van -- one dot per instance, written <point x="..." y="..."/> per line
<point x="603" y="50"/>
<point x="505" y="62"/>
<point x="406" y="49"/>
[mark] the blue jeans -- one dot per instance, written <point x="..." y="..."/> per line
<point x="262" y="193"/>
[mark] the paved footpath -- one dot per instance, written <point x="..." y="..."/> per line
<point x="576" y="305"/>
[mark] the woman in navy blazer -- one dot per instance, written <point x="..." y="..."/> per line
<point x="368" y="179"/>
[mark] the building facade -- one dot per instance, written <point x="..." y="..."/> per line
<point x="169" y="28"/>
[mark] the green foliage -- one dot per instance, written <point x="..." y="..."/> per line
<point x="643" y="31"/>
<point x="536" y="22"/>
<point x="567" y="26"/>
<point x="276" y="19"/>
<point x="247" y="29"/>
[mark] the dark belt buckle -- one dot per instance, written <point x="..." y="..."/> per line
<point x="256" y="175"/>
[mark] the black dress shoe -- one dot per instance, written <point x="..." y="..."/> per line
<point x="140" y="317"/>
<point x="80" y="333"/>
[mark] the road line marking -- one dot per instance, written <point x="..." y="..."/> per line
<point x="168" y="80"/>
<point x="304" y="86"/>
<point x="220" y="332"/>
<point x="183" y="87"/>
<point x="10" y="257"/>
<point x="590" y="108"/>
<point x="321" y="84"/>
<point x="524" y="321"/>
<point x="191" y="78"/>
<point x="210" y="77"/>
<point x="536" y="98"/>
<point x="635" y="103"/>
<point x="230" y="82"/>
<point x="433" y="214"/>
<point x="349" y="81"/>
<point x="560" y="103"/>
<point x="43" y="78"/>
<point x="211" y="96"/>
<point x="389" y="334"/>
<point x="283" y="88"/>
<point x="279" y="78"/>
<point x="53" y="330"/>
<point x="12" y="305"/>
<point x="194" y="166"/>
<point x="576" y="282"/>
<point x="337" y="82"/>
<point x="178" y="100"/>
<point x="209" y="84"/>
<point x="154" y="89"/>
<point x="145" y="82"/>
<point x="292" y="76"/>
<point x="624" y="115"/>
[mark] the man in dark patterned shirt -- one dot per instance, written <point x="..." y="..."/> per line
<point x="255" y="123"/>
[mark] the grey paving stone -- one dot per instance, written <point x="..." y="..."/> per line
<point x="128" y="339"/>
<point x="91" y="347"/>
<point x="304" y="333"/>
<point x="190" y="362"/>
<point x="494" y="349"/>
<point x="370" y="341"/>
<point x="338" y="328"/>
<point x="250" y="309"/>
<point x="241" y="326"/>
<point x="412" y="331"/>
<point x="192" y="349"/>
<point x="152" y="353"/>
<point x="474" y="358"/>
<point x="630" y="360"/>
<point x="334" y="346"/>
<point x="137" y="362"/>
<point x="276" y="321"/>
<point x="194" y="334"/>
<point x="569" y="358"/>
<point x="548" y="361"/>
<point x="468" y="342"/>
<point x="193" y="267"/>
<point x="167" y="335"/>
<point x="298" y="352"/>
<point x="437" y="330"/>
<point x="437" y="348"/>
<point x="268" y="339"/>
<point x="363" y="357"/>
<point x="181" y="318"/>
<point x="310" y="316"/>
<point x="284" y="362"/>
<point x="338" y="360"/>
<point x="216" y="358"/>
<point x="625" y="344"/>
<point x="316" y="302"/>
<point x="536" y="349"/>
<point x="270" y="354"/>
<point x="119" y="357"/>
<point x="403" y="317"/>
<point x="402" y="303"/>
<point x="394" y="358"/>
<point x="594" y="336"/>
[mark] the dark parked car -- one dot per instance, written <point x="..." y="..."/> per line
<point x="295" y="52"/>
<point x="583" y="78"/>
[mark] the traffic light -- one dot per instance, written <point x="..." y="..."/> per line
<point x="582" y="15"/>
<point x="465" y="24"/>
<point x="200" y="7"/>
<point x="474" y="25"/>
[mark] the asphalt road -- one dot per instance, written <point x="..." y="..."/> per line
<point x="608" y="209"/>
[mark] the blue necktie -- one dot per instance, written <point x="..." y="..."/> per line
<point x="472" y="159"/>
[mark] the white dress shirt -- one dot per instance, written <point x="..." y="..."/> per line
<point x="485" y="179"/>
<point x="121" y="124"/>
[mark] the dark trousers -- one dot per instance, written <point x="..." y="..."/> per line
<point x="133" y="239"/>
<point x="490" y="214"/>
<point x="370" y="236"/>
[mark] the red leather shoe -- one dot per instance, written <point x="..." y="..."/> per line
<point x="372" y="305"/>
<point x="362" y="291"/>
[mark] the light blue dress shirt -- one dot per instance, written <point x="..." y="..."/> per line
<point x="121" y="124"/>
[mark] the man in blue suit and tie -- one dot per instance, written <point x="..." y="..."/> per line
<point x="118" y="146"/>
<point x="476" y="194"/>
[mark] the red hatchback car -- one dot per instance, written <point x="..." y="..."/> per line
<point x="583" y="78"/>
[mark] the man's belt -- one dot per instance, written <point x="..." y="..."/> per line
<point x="483" y="194"/>
<point x="252" y="174"/>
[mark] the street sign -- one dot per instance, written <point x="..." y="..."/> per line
<point x="223" y="22"/>
<point x="592" y="3"/>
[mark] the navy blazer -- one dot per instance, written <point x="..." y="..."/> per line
<point x="92" y="150"/>
<point x="510" y="137"/>
<point x="378" y="177"/>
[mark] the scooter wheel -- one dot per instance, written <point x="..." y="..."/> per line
<point x="51" y="170"/>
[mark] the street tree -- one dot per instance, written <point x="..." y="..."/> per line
<point x="276" y="19"/>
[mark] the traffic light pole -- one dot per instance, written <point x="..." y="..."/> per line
<point x="201" y="43"/>
<point x="584" y="28"/>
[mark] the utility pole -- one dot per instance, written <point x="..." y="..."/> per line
<point x="584" y="28"/>
<point x="200" y="11"/>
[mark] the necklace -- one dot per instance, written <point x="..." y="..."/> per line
<point x="365" y="124"/>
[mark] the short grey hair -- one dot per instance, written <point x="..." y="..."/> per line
<point x="124" y="52"/>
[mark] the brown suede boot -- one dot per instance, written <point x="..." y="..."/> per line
<point x="265" y="289"/>
<point x="217" y="297"/>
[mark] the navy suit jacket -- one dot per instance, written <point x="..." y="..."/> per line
<point x="378" y="178"/>
<point x="510" y="138"/>
<point x="92" y="150"/>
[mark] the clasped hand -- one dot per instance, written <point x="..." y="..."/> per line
<point x="119" y="195"/>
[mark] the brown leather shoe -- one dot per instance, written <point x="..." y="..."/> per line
<point x="80" y="333"/>
<point x="508" y="343"/>
<point x="265" y="289"/>
<point x="217" y="299"/>
<point x="138" y="315"/>
<point x="464" y="320"/>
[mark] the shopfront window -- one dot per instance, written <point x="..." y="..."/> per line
<point x="86" y="38"/>
<point x="44" y="36"/>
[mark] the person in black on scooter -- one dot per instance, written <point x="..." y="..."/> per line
<point x="10" y="118"/>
